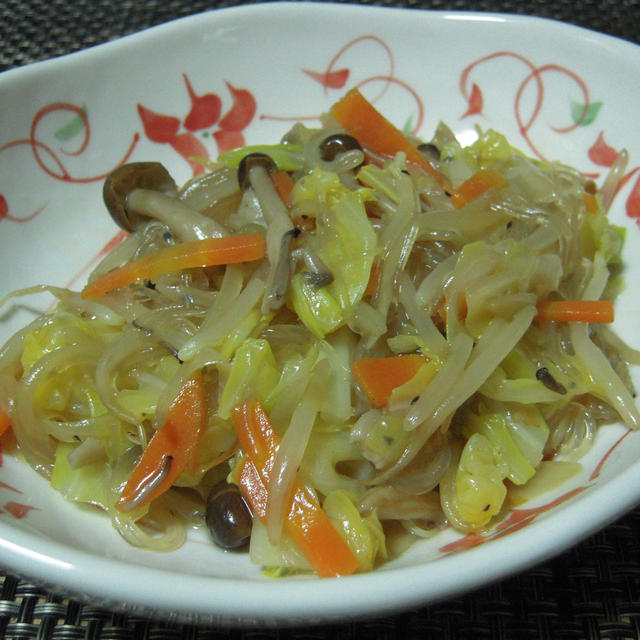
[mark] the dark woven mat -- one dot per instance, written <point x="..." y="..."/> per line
<point x="590" y="592"/>
<point x="39" y="29"/>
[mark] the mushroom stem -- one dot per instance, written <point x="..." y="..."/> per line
<point x="317" y="272"/>
<point x="280" y="231"/>
<point x="184" y="222"/>
<point x="274" y="295"/>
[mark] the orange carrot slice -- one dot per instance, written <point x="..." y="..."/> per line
<point x="5" y="422"/>
<point x="590" y="203"/>
<point x="575" y="311"/>
<point x="171" y="450"/>
<point x="378" y="377"/>
<point x="374" y="132"/>
<point x="476" y="185"/>
<point x="199" y="253"/>
<point x="307" y="524"/>
<point x="284" y="184"/>
<point x="372" y="284"/>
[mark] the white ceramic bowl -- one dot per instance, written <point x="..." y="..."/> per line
<point x="527" y="77"/>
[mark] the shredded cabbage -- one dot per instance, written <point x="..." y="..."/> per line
<point x="345" y="242"/>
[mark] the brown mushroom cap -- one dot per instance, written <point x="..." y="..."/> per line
<point x="251" y="160"/>
<point x="337" y="143"/>
<point x="430" y="151"/>
<point x="228" y="517"/>
<point x="123" y="180"/>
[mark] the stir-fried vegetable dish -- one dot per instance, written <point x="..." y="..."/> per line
<point x="327" y="347"/>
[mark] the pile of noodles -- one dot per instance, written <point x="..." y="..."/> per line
<point x="86" y="384"/>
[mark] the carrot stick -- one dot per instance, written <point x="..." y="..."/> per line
<point x="284" y="184"/>
<point x="476" y="185"/>
<point x="307" y="524"/>
<point x="590" y="203"/>
<point x="5" y="422"/>
<point x="171" y="450"/>
<point x="441" y="310"/>
<point x="365" y="123"/>
<point x="575" y="311"/>
<point x="200" y="253"/>
<point x="378" y="377"/>
<point x="372" y="284"/>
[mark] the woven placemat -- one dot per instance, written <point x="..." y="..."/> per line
<point x="39" y="29"/>
<point x="590" y="592"/>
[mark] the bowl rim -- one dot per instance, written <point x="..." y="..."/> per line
<point x="312" y="6"/>
<point x="85" y="574"/>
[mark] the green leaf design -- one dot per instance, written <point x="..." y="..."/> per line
<point x="408" y="125"/>
<point x="72" y="128"/>
<point x="578" y="113"/>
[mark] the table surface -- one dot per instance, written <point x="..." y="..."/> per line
<point x="592" y="591"/>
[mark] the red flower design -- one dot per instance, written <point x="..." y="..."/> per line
<point x="476" y="102"/>
<point x="158" y="127"/>
<point x="204" y="112"/>
<point x="228" y="139"/>
<point x="633" y="201"/>
<point x="18" y="510"/>
<point x="517" y="519"/>
<point x="601" y="153"/>
<point x="330" y="79"/>
<point x="188" y="146"/>
<point x="205" y="109"/>
<point x="241" y="112"/>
